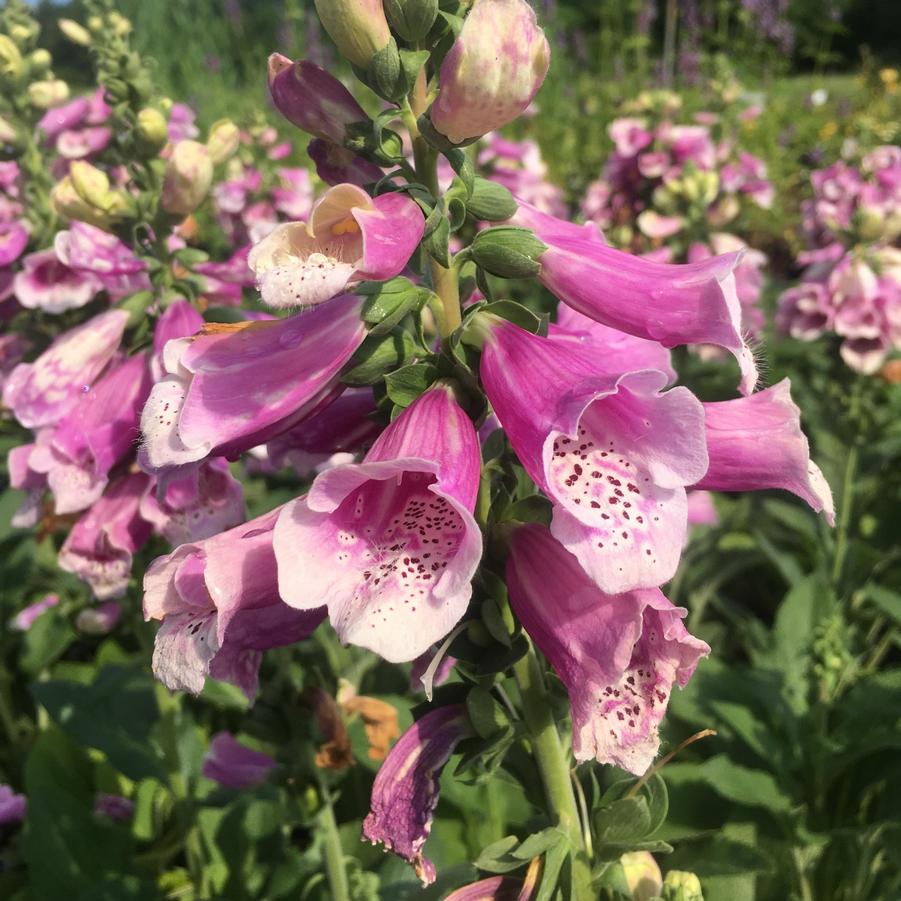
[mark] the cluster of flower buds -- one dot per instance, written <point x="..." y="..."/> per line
<point x="851" y="285"/>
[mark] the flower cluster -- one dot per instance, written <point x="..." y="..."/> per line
<point x="852" y="283"/>
<point x="496" y="463"/>
<point x="677" y="192"/>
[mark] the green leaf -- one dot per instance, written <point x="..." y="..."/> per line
<point x="540" y="842"/>
<point x="404" y="385"/>
<point x="888" y="601"/>
<point x="378" y="355"/>
<point x="625" y="820"/>
<point x="553" y="863"/>
<point x="494" y="622"/>
<point x="497" y="857"/>
<point x="46" y="640"/>
<point x="114" y="714"/>
<point x="487" y="716"/>
<point x="462" y="165"/>
<point x="753" y="788"/>
<point x="436" y="242"/>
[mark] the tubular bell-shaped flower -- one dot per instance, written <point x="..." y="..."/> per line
<point x="41" y="392"/>
<point x="694" y="303"/>
<point x="756" y="442"/>
<point x="350" y="237"/>
<point x="618" y="655"/>
<point x="220" y="609"/>
<point x="612" y="452"/>
<point x="493" y="70"/>
<point x="233" y="764"/>
<point x="390" y="544"/>
<point x="230" y="388"/>
<point x="405" y="790"/>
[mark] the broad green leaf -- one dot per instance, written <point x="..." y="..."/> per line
<point x="754" y="788"/>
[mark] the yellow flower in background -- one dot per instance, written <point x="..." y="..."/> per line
<point x="888" y="76"/>
<point x="828" y="130"/>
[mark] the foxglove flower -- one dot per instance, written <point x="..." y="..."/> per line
<point x="612" y="453"/>
<point x="350" y="237"/>
<point x="26" y="618"/>
<point x="220" y="609"/>
<point x="336" y="165"/>
<point x="100" y="547"/>
<point x="686" y="304"/>
<point x="619" y="351"/>
<point x="756" y="442"/>
<point x="115" y="807"/>
<point x="390" y="545"/>
<point x="41" y="393"/>
<point x="233" y="764"/>
<point x="44" y="283"/>
<point x="493" y="70"/>
<point x="179" y="320"/>
<point x="13" y="241"/>
<point x="618" y="655"/>
<point x="233" y="387"/>
<point x="200" y="504"/>
<point x="99" y="620"/>
<point x="312" y="99"/>
<point x="96" y="254"/>
<point x="98" y="432"/>
<point x="13" y="807"/>
<point x="501" y="888"/>
<point x="405" y="790"/>
<point x="358" y="27"/>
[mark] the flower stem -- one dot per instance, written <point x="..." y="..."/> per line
<point x="553" y="766"/>
<point x="844" y="519"/>
<point x="334" y="853"/>
<point x="425" y="157"/>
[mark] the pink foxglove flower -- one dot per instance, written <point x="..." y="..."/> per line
<point x="230" y="388"/>
<point x="405" y="790"/>
<point x="179" y="320"/>
<point x="701" y="510"/>
<point x="25" y="619"/>
<point x="100" y="547"/>
<point x="619" y="351"/>
<point x="99" y="620"/>
<point x="40" y="393"/>
<point x="233" y="764"/>
<point x="350" y="237"/>
<point x="13" y="807"/>
<point x="685" y="304"/>
<point x="115" y="807"/>
<point x="312" y="99"/>
<point x="493" y="70"/>
<point x="390" y="544"/>
<point x="95" y="253"/>
<point x="13" y="241"/>
<point x="44" y="283"/>
<point x="756" y="442"/>
<point x="62" y="118"/>
<point x="220" y="609"/>
<point x="611" y="451"/>
<point x="618" y="655"/>
<point x="200" y="504"/>
<point x="95" y="435"/>
<point x="336" y="165"/>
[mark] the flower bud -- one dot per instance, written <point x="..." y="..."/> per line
<point x="358" y="27"/>
<point x="153" y="130"/>
<point x="69" y="203"/>
<point x="76" y="33"/>
<point x="91" y="184"/>
<point x="223" y="140"/>
<point x="642" y="875"/>
<point x="40" y="61"/>
<point x="682" y="886"/>
<point x="95" y="23"/>
<point x="492" y="72"/>
<point x="312" y="99"/>
<point x="412" y="19"/>
<point x="507" y="251"/>
<point x="44" y="94"/>
<point x="8" y="133"/>
<point x="24" y="32"/>
<point x="121" y="26"/>
<point x="10" y="59"/>
<point x="98" y="620"/>
<point x="189" y="174"/>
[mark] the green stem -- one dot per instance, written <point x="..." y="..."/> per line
<point x="444" y="281"/>
<point x="334" y="853"/>
<point x="553" y="766"/>
<point x="844" y="519"/>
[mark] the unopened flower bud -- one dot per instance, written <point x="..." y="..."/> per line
<point x="189" y="174"/>
<point x="119" y="23"/>
<point x="10" y="59"/>
<point x="40" y="61"/>
<point x="153" y="130"/>
<point x="412" y="19"/>
<point x="69" y="203"/>
<point x="492" y="72"/>
<point x="44" y="94"/>
<point x="8" y="133"/>
<point x="312" y="99"/>
<point x="91" y="183"/>
<point x="95" y="23"/>
<point x="642" y="875"/>
<point x="358" y="27"/>
<point x="98" y="620"/>
<point x="76" y="33"/>
<point x="23" y="32"/>
<point x="682" y="886"/>
<point x="223" y="140"/>
<point x="870" y="222"/>
<point x="508" y="251"/>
